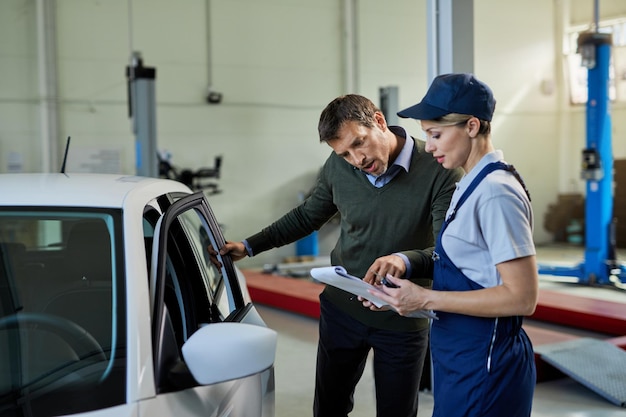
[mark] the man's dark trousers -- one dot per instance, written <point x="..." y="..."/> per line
<point x="344" y="344"/>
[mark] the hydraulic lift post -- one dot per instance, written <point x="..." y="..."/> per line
<point x="142" y="110"/>
<point x="600" y="266"/>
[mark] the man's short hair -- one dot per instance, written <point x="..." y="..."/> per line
<point x="350" y="107"/>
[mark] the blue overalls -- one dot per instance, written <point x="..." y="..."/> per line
<point x="481" y="366"/>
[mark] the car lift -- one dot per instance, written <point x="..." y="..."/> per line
<point x="590" y="361"/>
<point x="600" y="266"/>
<point x="142" y="111"/>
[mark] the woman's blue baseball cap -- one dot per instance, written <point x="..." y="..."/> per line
<point x="454" y="93"/>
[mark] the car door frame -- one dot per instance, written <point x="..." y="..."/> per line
<point x="229" y="283"/>
<point x="251" y="394"/>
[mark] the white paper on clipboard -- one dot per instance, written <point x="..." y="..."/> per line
<point x="338" y="277"/>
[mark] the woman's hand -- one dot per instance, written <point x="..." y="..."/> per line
<point x="406" y="298"/>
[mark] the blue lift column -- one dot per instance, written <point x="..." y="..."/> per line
<point x="597" y="159"/>
<point x="600" y="266"/>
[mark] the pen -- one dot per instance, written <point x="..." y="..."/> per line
<point x="385" y="281"/>
<point x="420" y="313"/>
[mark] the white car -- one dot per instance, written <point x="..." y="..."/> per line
<point x="112" y="305"/>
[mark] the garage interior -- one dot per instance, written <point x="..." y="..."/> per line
<point x="225" y="96"/>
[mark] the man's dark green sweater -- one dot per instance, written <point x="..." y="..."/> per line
<point x="404" y="215"/>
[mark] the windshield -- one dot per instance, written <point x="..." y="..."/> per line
<point x="62" y="311"/>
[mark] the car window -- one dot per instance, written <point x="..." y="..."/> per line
<point x="194" y="287"/>
<point x="201" y="238"/>
<point x="192" y="282"/>
<point x="62" y="311"/>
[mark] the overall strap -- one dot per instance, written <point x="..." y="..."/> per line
<point x="481" y="175"/>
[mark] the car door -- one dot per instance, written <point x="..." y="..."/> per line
<point x="193" y="292"/>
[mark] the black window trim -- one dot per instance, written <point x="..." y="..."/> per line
<point x="193" y="201"/>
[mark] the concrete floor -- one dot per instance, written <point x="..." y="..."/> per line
<point x="295" y="368"/>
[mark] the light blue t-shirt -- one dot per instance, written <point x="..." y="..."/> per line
<point x="494" y="224"/>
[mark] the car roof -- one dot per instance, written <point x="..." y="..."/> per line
<point x="82" y="190"/>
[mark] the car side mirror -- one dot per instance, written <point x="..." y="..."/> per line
<point x="224" y="351"/>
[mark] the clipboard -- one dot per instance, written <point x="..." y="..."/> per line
<point x="337" y="276"/>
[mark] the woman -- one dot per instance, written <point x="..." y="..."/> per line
<point x="485" y="277"/>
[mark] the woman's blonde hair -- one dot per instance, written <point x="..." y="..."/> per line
<point x="453" y="119"/>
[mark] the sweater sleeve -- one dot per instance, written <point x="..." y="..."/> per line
<point x="301" y="221"/>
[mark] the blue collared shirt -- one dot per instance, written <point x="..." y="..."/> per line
<point x="403" y="161"/>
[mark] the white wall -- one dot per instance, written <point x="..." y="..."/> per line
<point x="278" y="63"/>
<point x="515" y="61"/>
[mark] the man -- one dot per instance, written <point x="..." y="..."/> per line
<point x="391" y="197"/>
